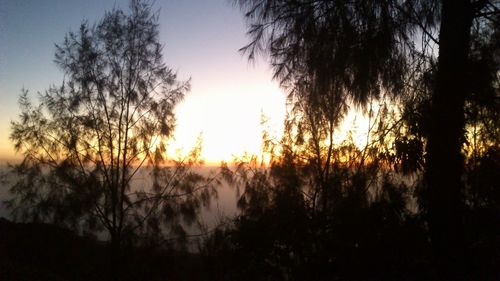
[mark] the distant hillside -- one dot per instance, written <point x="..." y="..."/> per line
<point x="35" y="251"/>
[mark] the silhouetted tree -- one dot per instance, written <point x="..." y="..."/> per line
<point x="95" y="147"/>
<point x="344" y="51"/>
<point x="368" y="232"/>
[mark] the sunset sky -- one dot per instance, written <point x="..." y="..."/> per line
<point x="201" y="40"/>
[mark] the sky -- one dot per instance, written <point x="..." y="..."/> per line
<point x="201" y="38"/>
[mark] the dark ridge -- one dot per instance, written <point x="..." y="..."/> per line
<point x="37" y="251"/>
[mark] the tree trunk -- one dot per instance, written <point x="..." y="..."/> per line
<point x="444" y="158"/>
<point x="115" y="256"/>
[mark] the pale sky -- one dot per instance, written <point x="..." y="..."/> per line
<point x="201" y="40"/>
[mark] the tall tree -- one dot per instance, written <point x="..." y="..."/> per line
<point x="446" y="135"/>
<point x="355" y="50"/>
<point x="89" y="142"/>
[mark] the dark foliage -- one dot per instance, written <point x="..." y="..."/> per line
<point x="333" y="53"/>
<point x="394" y="208"/>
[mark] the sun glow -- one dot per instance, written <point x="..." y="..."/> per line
<point x="228" y="121"/>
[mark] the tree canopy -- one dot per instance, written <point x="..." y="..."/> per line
<point x="95" y="147"/>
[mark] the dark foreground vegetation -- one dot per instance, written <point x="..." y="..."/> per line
<point x="359" y="236"/>
<point x="45" y="252"/>
<point x="276" y="237"/>
<point x="419" y="200"/>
